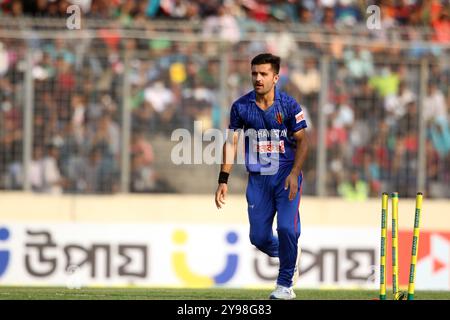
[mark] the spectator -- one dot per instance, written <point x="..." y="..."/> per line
<point x="335" y="135"/>
<point x="281" y="43"/>
<point x="404" y="165"/>
<point x="99" y="173"/>
<point x="442" y="27"/>
<point x="72" y="160"/>
<point x="440" y="136"/>
<point x="395" y="103"/>
<point x="142" y="171"/>
<point x="162" y="101"/>
<point x="143" y="118"/>
<point x="308" y="80"/>
<point x="44" y="173"/>
<point x="224" y="25"/>
<point x="354" y="188"/>
<point x="372" y="174"/>
<point x="434" y="105"/>
<point x="159" y="96"/>
<point x="106" y="136"/>
<point x="359" y="62"/>
<point x="347" y="13"/>
<point x="386" y="82"/>
<point x="306" y="15"/>
<point x="328" y="20"/>
<point x="284" y="11"/>
<point x="16" y="8"/>
<point x="11" y="143"/>
<point x="4" y="59"/>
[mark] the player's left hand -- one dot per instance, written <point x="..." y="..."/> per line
<point x="292" y="184"/>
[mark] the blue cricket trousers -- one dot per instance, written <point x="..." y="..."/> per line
<point x="265" y="197"/>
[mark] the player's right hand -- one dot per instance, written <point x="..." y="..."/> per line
<point x="221" y="193"/>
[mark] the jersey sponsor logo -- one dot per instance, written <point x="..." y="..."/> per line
<point x="279" y="117"/>
<point x="299" y="117"/>
<point x="269" y="147"/>
<point x="265" y="134"/>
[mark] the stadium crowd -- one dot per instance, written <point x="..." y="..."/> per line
<point x="326" y="12"/>
<point x="372" y="109"/>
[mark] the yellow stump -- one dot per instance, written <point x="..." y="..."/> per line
<point x="383" y="247"/>
<point x="394" y="243"/>
<point x="415" y="246"/>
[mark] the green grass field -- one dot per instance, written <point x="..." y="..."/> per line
<point x="48" y="293"/>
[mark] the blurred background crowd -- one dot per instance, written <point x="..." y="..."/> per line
<point x="79" y="89"/>
<point x="432" y="13"/>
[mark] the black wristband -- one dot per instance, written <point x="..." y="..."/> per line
<point x="223" y="177"/>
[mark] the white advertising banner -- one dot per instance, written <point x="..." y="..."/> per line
<point x="204" y="255"/>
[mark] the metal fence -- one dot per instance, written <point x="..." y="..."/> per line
<point x="92" y="110"/>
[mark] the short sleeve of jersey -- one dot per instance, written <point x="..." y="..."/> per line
<point x="236" y="121"/>
<point x="297" y="119"/>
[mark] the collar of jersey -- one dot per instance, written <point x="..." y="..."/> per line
<point x="253" y="95"/>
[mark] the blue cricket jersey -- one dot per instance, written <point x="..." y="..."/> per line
<point x="268" y="133"/>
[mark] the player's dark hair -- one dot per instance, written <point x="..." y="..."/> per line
<point x="264" y="58"/>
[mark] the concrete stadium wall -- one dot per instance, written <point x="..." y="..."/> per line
<point x="197" y="209"/>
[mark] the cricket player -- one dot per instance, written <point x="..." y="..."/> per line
<point x="275" y="150"/>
